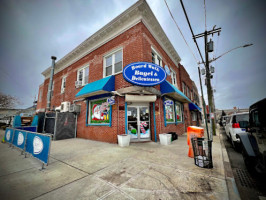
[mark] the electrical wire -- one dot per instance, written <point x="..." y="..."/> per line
<point x="205" y="16"/>
<point x="181" y="32"/>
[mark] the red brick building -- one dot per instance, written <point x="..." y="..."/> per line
<point x="93" y="72"/>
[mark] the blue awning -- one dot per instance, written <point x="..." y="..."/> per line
<point x="102" y="86"/>
<point x="193" y="106"/>
<point x="172" y="91"/>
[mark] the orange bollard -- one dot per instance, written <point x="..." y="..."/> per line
<point x="193" y="131"/>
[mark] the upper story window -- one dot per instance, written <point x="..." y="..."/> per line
<point x="113" y="63"/>
<point x="156" y="58"/>
<point x="188" y="92"/>
<point x="184" y="88"/>
<point x="83" y="75"/>
<point x="173" y="77"/>
<point x="63" y="85"/>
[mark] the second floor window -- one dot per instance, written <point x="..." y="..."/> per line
<point x="113" y="63"/>
<point x="184" y="88"/>
<point x="156" y="58"/>
<point x="173" y="77"/>
<point x="40" y="95"/>
<point x="83" y="75"/>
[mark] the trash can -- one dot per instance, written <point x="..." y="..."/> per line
<point x="202" y="150"/>
<point x="165" y="139"/>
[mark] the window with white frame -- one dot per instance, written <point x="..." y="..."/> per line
<point x="113" y="63"/>
<point x="179" y="112"/>
<point x="63" y="85"/>
<point x="156" y="58"/>
<point x="173" y="77"/>
<point x="83" y="75"/>
<point x="184" y="88"/>
<point x="188" y="92"/>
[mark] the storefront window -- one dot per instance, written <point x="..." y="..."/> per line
<point x="179" y="113"/>
<point x="99" y="112"/>
<point x="169" y="110"/>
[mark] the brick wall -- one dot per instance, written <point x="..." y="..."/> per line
<point x="136" y="43"/>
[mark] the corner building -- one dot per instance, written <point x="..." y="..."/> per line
<point x="92" y="75"/>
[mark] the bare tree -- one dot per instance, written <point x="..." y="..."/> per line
<point x="8" y="101"/>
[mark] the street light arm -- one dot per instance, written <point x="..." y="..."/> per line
<point x="246" y="45"/>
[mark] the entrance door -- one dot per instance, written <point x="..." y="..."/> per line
<point x="138" y="117"/>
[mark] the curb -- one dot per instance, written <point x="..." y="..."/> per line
<point x="228" y="173"/>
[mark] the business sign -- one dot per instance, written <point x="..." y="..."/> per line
<point x="144" y="74"/>
<point x="38" y="145"/>
<point x="168" y="103"/>
<point x="19" y="139"/>
<point x="9" y="135"/>
<point x="167" y="70"/>
<point x="111" y="100"/>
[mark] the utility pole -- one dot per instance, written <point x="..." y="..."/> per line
<point x="208" y="74"/>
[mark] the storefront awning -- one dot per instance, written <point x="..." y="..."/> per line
<point x="170" y="90"/>
<point x="193" y="106"/>
<point x="102" y="86"/>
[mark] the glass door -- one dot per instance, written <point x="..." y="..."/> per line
<point x="138" y="123"/>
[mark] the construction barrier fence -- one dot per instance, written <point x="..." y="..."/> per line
<point x="36" y="144"/>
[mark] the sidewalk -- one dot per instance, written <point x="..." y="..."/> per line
<point x="85" y="169"/>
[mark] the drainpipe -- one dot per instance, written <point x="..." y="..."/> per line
<point x="50" y="84"/>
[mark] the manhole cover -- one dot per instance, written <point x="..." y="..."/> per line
<point x="245" y="179"/>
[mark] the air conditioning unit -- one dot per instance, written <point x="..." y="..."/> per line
<point x="78" y="84"/>
<point x="65" y="106"/>
<point x="58" y="108"/>
<point x="74" y="108"/>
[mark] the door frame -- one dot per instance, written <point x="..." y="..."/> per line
<point x="138" y="106"/>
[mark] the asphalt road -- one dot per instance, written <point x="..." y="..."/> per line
<point x="250" y="186"/>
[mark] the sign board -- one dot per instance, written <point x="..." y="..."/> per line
<point x="167" y="70"/>
<point x="19" y="139"/>
<point x="212" y="115"/>
<point x="38" y="145"/>
<point x="144" y="74"/>
<point x="9" y="135"/>
<point x="111" y="100"/>
<point x="168" y="103"/>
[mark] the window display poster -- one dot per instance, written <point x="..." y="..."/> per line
<point x="9" y="135"/>
<point x="169" y="112"/>
<point x="19" y="139"/>
<point x="38" y="146"/>
<point x="100" y="112"/>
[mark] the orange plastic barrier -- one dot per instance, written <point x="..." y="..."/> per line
<point x="193" y="131"/>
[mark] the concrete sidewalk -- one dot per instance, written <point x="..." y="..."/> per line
<point x="85" y="169"/>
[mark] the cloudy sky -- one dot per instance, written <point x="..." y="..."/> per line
<point x="34" y="30"/>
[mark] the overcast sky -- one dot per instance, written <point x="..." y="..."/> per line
<point x="34" y="30"/>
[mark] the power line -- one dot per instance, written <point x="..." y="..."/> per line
<point x="205" y="16"/>
<point x="180" y="31"/>
<point x="192" y="31"/>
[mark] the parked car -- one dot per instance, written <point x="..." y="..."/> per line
<point x="254" y="142"/>
<point x="235" y="124"/>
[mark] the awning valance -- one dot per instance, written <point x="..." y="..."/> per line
<point x="193" y="106"/>
<point x="170" y="90"/>
<point x="102" y="86"/>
